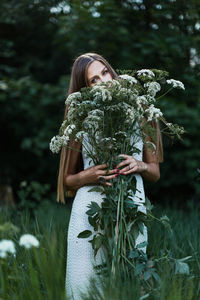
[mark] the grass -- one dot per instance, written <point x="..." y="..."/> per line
<point x="39" y="273"/>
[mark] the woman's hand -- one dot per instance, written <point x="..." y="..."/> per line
<point x="132" y="165"/>
<point x="150" y="171"/>
<point x="92" y="174"/>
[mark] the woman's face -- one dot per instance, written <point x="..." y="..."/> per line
<point x="97" y="73"/>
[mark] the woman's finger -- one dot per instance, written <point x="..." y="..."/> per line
<point x="111" y="177"/>
<point x="103" y="166"/>
<point x="108" y="172"/>
<point x="124" y="169"/>
<point x="124" y="155"/>
<point x="123" y="163"/>
<point x="132" y="170"/>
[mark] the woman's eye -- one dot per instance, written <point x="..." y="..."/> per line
<point x="106" y="71"/>
<point x="93" y="80"/>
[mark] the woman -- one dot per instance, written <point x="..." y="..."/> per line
<point x="76" y="175"/>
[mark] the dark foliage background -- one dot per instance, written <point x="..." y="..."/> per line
<point x="39" y="40"/>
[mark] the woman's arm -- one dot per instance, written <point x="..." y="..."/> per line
<point x="89" y="176"/>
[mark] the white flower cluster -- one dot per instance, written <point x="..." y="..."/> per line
<point x="69" y="129"/>
<point x="176" y="83"/>
<point x="152" y="88"/>
<point x="8" y="246"/>
<point x="57" y="142"/>
<point x="145" y="73"/>
<point x="114" y="82"/>
<point x="141" y="100"/>
<point x="153" y="113"/>
<point x="130" y="113"/>
<point x="96" y="112"/>
<point x="73" y="96"/>
<point x="101" y="91"/>
<point x="79" y="135"/>
<point x="28" y="241"/>
<point x="108" y="142"/>
<point x="129" y="78"/>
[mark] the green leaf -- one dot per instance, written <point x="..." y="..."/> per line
<point x="133" y="254"/>
<point x="129" y="204"/>
<point x="135" y="231"/>
<point x="149" y="206"/>
<point x="147" y="275"/>
<point x="139" y="268"/>
<point x="155" y="276"/>
<point x="141" y="245"/>
<point x="91" y="221"/>
<point x="181" y="267"/>
<point x="141" y="227"/>
<point x="185" y="258"/>
<point x="94" y="208"/>
<point x="97" y="189"/>
<point x="84" y="234"/>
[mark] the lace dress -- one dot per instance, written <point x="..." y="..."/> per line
<point x="80" y="256"/>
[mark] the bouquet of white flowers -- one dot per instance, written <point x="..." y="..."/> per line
<point x="115" y="115"/>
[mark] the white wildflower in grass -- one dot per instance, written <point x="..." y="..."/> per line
<point x="6" y="246"/>
<point x="145" y="73"/>
<point x="176" y="83"/>
<point x="57" y="142"/>
<point x="3" y="86"/>
<point x="129" y="78"/>
<point x="73" y="96"/>
<point x="28" y="241"/>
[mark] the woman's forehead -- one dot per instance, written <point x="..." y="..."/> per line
<point x="94" y="68"/>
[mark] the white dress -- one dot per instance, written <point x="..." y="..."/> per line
<point x="80" y="256"/>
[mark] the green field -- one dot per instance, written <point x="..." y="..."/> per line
<point x="39" y="273"/>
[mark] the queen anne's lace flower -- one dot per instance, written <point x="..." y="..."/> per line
<point x="176" y="83"/>
<point x="6" y="246"/>
<point x="129" y="78"/>
<point x="101" y="91"/>
<point x="73" y="96"/>
<point x="146" y="73"/>
<point x="80" y="135"/>
<point x="96" y="112"/>
<point x="28" y="241"/>
<point x="57" y="142"/>
<point x="69" y="129"/>
<point x="153" y="88"/>
<point x="153" y="113"/>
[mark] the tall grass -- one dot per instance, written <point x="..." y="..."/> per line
<point x="39" y="273"/>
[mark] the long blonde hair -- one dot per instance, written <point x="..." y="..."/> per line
<point x="78" y="80"/>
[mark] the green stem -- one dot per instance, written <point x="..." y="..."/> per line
<point x="164" y="93"/>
